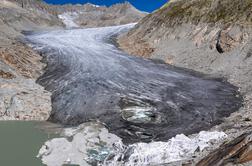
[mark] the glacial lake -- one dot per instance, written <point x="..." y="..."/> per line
<point x="20" y="142"/>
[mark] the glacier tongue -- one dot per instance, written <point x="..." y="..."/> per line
<point x="91" y="79"/>
<point x="140" y="100"/>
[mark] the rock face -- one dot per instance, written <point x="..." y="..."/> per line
<point x="237" y="151"/>
<point x="210" y="36"/>
<point x="229" y="39"/>
<point x="20" y="97"/>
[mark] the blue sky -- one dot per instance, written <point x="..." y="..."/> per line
<point x="144" y="5"/>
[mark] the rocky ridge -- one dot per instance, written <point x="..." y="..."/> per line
<point x="210" y="36"/>
<point x="90" y="15"/>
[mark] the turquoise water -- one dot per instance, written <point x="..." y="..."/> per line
<point x="20" y="143"/>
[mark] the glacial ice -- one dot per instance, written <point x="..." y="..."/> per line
<point x="177" y="148"/>
<point x="92" y="143"/>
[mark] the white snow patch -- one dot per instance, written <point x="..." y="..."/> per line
<point x="96" y="6"/>
<point x="93" y="5"/>
<point x="68" y="19"/>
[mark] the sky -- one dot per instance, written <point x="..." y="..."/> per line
<point x="143" y="5"/>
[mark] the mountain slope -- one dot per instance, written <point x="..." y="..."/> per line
<point x="90" y="15"/>
<point x="210" y="36"/>
<point x="188" y="18"/>
<point x="20" y="97"/>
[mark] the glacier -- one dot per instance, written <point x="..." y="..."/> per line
<point x="139" y="100"/>
<point x="145" y="108"/>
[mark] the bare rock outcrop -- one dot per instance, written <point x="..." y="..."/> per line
<point x="27" y="65"/>
<point x="238" y="151"/>
<point x="20" y="97"/>
<point x="6" y="75"/>
<point x="229" y="39"/>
